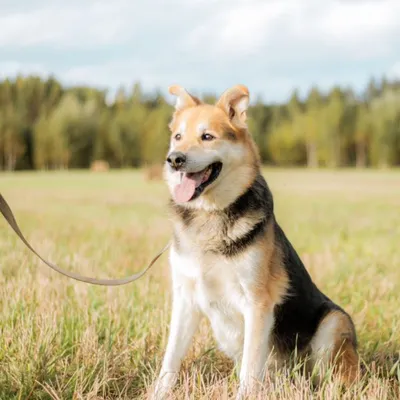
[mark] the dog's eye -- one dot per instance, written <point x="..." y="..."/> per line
<point x="207" y="137"/>
<point x="178" y="136"/>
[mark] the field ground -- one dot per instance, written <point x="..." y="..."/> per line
<point x="62" y="339"/>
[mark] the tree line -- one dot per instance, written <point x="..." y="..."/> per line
<point x="45" y="125"/>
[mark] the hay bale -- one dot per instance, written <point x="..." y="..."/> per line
<point x="99" y="166"/>
<point x="154" y="172"/>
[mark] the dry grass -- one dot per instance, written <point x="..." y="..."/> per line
<point x="60" y="339"/>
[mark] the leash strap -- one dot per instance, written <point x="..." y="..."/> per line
<point x="9" y="216"/>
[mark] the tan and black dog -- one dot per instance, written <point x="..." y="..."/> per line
<point x="230" y="259"/>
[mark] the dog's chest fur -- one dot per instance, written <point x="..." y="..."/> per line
<point x="216" y="261"/>
<point x="219" y="286"/>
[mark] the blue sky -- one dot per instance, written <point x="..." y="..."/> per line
<point x="272" y="46"/>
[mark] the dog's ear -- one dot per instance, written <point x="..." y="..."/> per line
<point x="235" y="102"/>
<point x="183" y="98"/>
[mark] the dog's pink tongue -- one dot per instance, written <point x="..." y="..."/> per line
<point x="184" y="191"/>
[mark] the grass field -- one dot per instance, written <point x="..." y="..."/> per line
<point x="62" y="339"/>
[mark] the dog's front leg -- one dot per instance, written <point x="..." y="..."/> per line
<point x="258" y="323"/>
<point x="184" y="322"/>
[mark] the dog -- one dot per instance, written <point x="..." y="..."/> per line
<point x="230" y="259"/>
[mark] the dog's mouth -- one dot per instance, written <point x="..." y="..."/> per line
<point x="193" y="184"/>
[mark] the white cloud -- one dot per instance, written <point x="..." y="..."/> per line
<point x="114" y="73"/>
<point x="226" y="28"/>
<point x="125" y="73"/>
<point x="13" y="68"/>
<point x="357" y="29"/>
<point x="239" y="30"/>
<point x="394" y="71"/>
<point x="69" y="25"/>
<point x="367" y="29"/>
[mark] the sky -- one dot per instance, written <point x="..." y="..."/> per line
<point x="271" y="46"/>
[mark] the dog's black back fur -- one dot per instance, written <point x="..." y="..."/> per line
<point x="297" y="318"/>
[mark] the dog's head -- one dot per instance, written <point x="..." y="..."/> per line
<point x="212" y="158"/>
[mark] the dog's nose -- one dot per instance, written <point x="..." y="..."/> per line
<point x="176" y="160"/>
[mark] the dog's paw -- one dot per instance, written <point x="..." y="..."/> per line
<point x="164" y="386"/>
<point x="242" y="394"/>
<point x="249" y="391"/>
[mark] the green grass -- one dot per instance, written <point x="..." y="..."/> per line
<point x="62" y="339"/>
